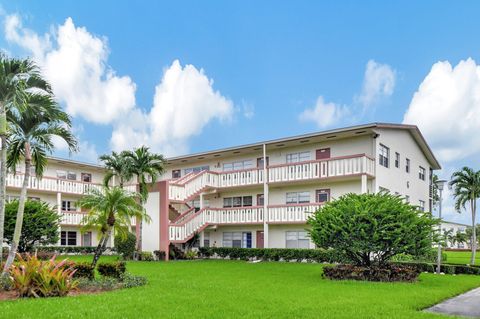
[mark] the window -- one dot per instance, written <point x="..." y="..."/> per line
<point x="260" y="162"/>
<point x="68" y="238"/>
<point x="297" y="197"/>
<point x="237" y="239"/>
<point x="66" y="175"/>
<point x="87" y="239"/>
<point x="407" y="165"/>
<point x="260" y="200"/>
<point x="384" y="155"/>
<point x="86" y="177"/>
<point x="323" y="195"/>
<point x="68" y="206"/>
<point x="61" y="174"/>
<point x="196" y="169"/>
<point x="237" y="201"/>
<point x="397" y="160"/>
<point x="176" y="173"/>
<point x="206" y="239"/>
<point x="298" y="157"/>
<point x="421" y="173"/>
<point x="297" y="239"/>
<point x="421" y="205"/>
<point x="235" y="166"/>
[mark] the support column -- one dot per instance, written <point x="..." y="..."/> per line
<point x="59" y="211"/>
<point x="202" y="204"/>
<point x="364" y="184"/>
<point x="164" y="221"/>
<point x="265" y="198"/>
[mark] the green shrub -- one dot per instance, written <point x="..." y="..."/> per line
<point x="191" y="254"/>
<point x="146" y="256"/>
<point x="445" y="268"/>
<point x="84" y="270"/>
<point x="67" y="249"/>
<point x="372" y="228"/>
<point x="130" y="281"/>
<point x="429" y="256"/>
<point x="126" y="246"/>
<point x="32" y="277"/>
<point x="160" y="255"/>
<point x="112" y="269"/>
<point x="385" y="273"/>
<point x="274" y="254"/>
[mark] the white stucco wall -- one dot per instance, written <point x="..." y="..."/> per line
<point x="151" y="231"/>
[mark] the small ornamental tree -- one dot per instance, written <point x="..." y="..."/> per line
<point x="40" y="224"/>
<point x="372" y="228"/>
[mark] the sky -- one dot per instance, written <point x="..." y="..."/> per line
<point x="190" y="76"/>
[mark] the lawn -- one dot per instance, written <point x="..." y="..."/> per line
<point x="232" y="289"/>
<point x="461" y="257"/>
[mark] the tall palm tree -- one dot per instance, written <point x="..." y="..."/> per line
<point x="466" y="189"/>
<point x="118" y="166"/>
<point x="30" y="140"/>
<point x="17" y="76"/>
<point x="110" y="210"/>
<point x="146" y="167"/>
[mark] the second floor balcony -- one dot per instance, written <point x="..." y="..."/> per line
<point x="336" y="167"/>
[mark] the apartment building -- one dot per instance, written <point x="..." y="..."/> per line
<point x="63" y="183"/>
<point x="261" y="194"/>
<point x="455" y="228"/>
<point x="256" y="195"/>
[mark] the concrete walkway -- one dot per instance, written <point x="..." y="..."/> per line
<point x="467" y="305"/>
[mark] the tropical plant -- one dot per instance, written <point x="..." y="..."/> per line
<point x="147" y="167"/>
<point x="469" y="235"/>
<point x="30" y="140"/>
<point x="466" y="190"/>
<point x="369" y="229"/>
<point x="110" y="210"/>
<point x="40" y="224"/>
<point x="449" y="237"/>
<point x="17" y="77"/>
<point x="461" y="237"/>
<point x="118" y="166"/>
<point x="32" y="277"/>
<point x="125" y="246"/>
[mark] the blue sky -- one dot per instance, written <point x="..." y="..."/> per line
<point x="247" y="71"/>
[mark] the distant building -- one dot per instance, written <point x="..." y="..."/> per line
<point x="455" y="228"/>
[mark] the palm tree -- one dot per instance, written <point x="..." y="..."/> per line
<point x="118" y="165"/>
<point x="147" y="167"/>
<point x="17" y="76"/>
<point x="110" y="209"/>
<point x="30" y="139"/>
<point x="466" y="189"/>
<point x="449" y="237"/>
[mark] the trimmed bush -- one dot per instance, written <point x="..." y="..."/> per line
<point x="41" y="255"/>
<point x="191" y="254"/>
<point x="112" y="269"/>
<point x="160" y="255"/>
<point x="84" y="270"/>
<point x="67" y="249"/>
<point x="385" y="273"/>
<point x="274" y="254"/>
<point x="445" y="268"/>
<point x="429" y="257"/>
<point x="126" y="246"/>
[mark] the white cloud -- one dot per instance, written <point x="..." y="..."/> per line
<point x="446" y="107"/>
<point x="75" y="62"/>
<point x="378" y="82"/>
<point x="324" y="114"/>
<point x="184" y="103"/>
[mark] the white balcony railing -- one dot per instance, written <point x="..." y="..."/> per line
<point x="51" y="184"/>
<point x="345" y="166"/>
<point x="75" y="218"/>
<point x="183" y="230"/>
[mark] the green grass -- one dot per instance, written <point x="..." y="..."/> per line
<point x="461" y="257"/>
<point x="233" y="289"/>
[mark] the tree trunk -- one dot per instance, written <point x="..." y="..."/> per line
<point x="102" y="244"/>
<point x="3" y="173"/>
<point x="21" y="208"/>
<point x="474" y="231"/>
<point x="140" y="222"/>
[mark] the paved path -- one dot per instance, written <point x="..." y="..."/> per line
<point x="467" y="305"/>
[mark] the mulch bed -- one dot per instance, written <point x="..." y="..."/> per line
<point x="12" y="295"/>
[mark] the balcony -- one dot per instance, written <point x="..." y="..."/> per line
<point x="74" y="218"/>
<point x="181" y="231"/>
<point x="51" y="184"/>
<point x="338" y="167"/>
